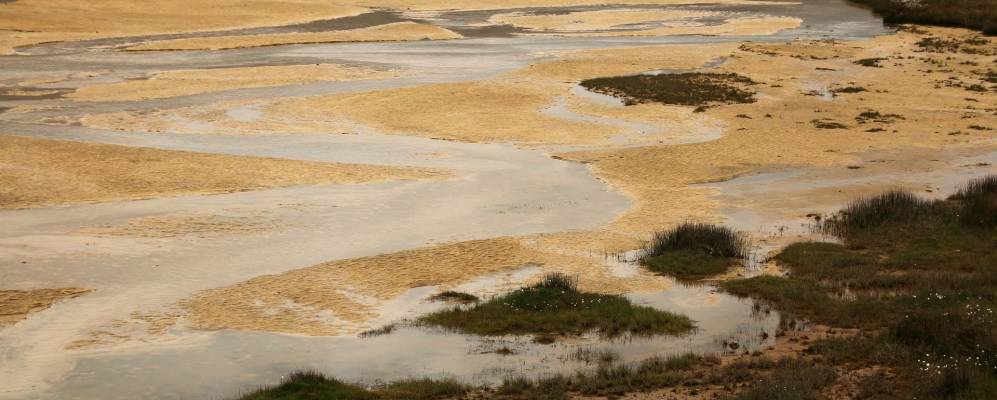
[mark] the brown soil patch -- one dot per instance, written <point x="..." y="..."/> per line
<point x="399" y="31"/>
<point x="15" y="305"/>
<point x="41" y="172"/>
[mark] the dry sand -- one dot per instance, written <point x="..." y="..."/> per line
<point x="43" y="172"/>
<point x="26" y="22"/>
<point x="776" y="132"/>
<point x="194" y="81"/>
<point x="15" y="305"/>
<point x="399" y="31"/>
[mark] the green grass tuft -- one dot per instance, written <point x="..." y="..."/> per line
<point x="694" y="251"/>
<point x="310" y="386"/>
<point x="973" y="14"/>
<point x="315" y="386"/>
<point x="978" y="200"/>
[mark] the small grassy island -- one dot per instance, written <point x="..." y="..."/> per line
<point x="694" y="251"/>
<point x="555" y="306"/>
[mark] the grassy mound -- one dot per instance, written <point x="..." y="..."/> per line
<point x="693" y="251"/>
<point x="554" y="306"/>
<point x="689" y="89"/>
<point x="973" y="14"/>
<point x="978" y="200"/>
<point x="315" y="386"/>
<point x="917" y="276"/>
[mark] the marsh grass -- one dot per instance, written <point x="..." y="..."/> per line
<point x="916" y="275"/>
<point x="894" y="209"/>
<point x="690" y="88"/>
<point x="794" y="379"/>
<point x="694" y="251"/>
<point x="611" y="379"/>
<point x="310" y="386"/>
<point x="973" y="14"/>
<point x="978" y="200"/>
<point x="315" y="386"/>
<point x="554" y="306"/>
<point x="713" y="240"/>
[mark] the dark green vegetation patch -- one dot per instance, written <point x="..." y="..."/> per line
<point x="315" y="386"/>
<point x="917" y="276"/>
<point x="688" y="89"/>
<point x="973" y="14"/>
<point x="555" y="306"/>
<point x="694" y="251"/>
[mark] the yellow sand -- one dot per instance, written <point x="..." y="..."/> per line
<point x="399" y="31"/>
<point x="15" y="305"/>
<point x="194" y="81"/>
<point x="34" y="21"/>
<point x="42" y="172"/>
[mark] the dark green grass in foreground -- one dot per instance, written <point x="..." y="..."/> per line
<point x="555" y="306"/>
<point x="690" y="89"/>
<point x="694" y="251"/>
<point x="973" y="14"/>
<point x="918" y="276"/>
<point x="315" y="386"/>
<point x="610" y="379"/>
